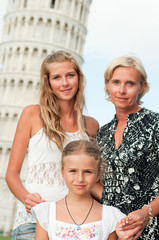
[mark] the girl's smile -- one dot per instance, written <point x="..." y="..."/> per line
<point x="80" y="173"/>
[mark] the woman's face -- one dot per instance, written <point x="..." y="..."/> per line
<point x="125" y="87"/>
<point x="63" y="80"/>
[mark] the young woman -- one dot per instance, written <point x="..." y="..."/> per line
<point x="44" y="130"/>
<point x="130" y="148"/>
<point x="78" y="215"/>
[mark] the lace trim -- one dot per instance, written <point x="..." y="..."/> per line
<point x="45" y="173"/>
<point x="23" y="217"/>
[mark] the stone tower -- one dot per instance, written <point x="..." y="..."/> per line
<point x="31" y="30"/>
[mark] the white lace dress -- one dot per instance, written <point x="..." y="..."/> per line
<point x="44" y="172"/>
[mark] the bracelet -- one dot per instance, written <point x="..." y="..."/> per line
<point x="150" y="214"/>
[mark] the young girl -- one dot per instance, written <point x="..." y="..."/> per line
<point x="78" y="215"/>
<point x="43" y="130"/>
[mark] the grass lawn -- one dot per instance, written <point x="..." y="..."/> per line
<point x="5" y="238"/>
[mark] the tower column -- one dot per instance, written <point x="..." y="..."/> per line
<point x="79" y="10"/>
<point x="12" y="59"/>
<point x="56" y="4"/>
<point x="20" y="59"/>
<point x="21" y="4"/>
<point x="72" y="7"/>
<point x="64" y="4"/>
<point x="25" y="27"/>
<point x="68" y="37"/>
<point x="17" y="28"/>
<point x="83" y="13"/>
<point x="79" y="43"/>
<point x="6" y="60"/>
<point x="28" y="60"/>
<point x="52" y="31"/>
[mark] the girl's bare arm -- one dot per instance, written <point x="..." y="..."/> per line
<point x="40" y="233"/>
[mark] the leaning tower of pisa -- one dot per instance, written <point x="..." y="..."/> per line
<point x="31" y="30"/>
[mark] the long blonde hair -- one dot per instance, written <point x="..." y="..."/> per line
<point x="49" y="106"/>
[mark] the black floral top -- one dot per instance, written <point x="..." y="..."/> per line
<point x="132" y="176"/>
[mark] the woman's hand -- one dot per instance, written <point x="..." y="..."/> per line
<point x="31" y="200"/>
<point x="123" y="234"/>
<point x="134" y="224"/>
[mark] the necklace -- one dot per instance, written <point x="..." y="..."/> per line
<point x="69" y="126"/>
<point x="78" y="225"/>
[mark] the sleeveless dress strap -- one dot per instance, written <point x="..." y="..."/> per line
<point x="84" y="122"/>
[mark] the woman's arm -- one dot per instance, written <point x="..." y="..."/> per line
<point x="139" y="219"/>
<point x="112" y="236"/>
<point x="40" y="233"/>
<point x="19" y="148"/>
<point x="92" y="127"/>
<point x="97" y="191"/>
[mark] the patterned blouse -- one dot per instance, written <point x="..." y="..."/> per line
<point x="132" y="176"/>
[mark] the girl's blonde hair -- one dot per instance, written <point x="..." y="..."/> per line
<point x="49" y="106"/>
<point x="82" y="147"/>
<point x="127" y="61"/>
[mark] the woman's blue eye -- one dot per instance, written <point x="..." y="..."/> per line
<point x="88" y="171"/>
<point x="115" y="81"/>
<point x="131" y="83"/>
<point x="71" y="75"/>
<point x="56" y="77"/>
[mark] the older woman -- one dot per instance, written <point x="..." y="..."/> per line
<point x="130" y="147"/>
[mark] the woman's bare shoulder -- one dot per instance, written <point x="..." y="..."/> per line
<point x="32" y="110"/>
<point x="31" y="117"/>
<point x="92" y="126"/>
<point x="92" y="123"/>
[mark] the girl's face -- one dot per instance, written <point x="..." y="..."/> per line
<point x="80" y="173"/>
<point x="63" y="80"/>
<point x="125" y="87"/>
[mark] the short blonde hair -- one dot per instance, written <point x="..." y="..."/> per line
<point x="127" y="61"/>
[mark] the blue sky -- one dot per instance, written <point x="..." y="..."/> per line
<point x="115" y="28"/>
<point x="118" y="27"/>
